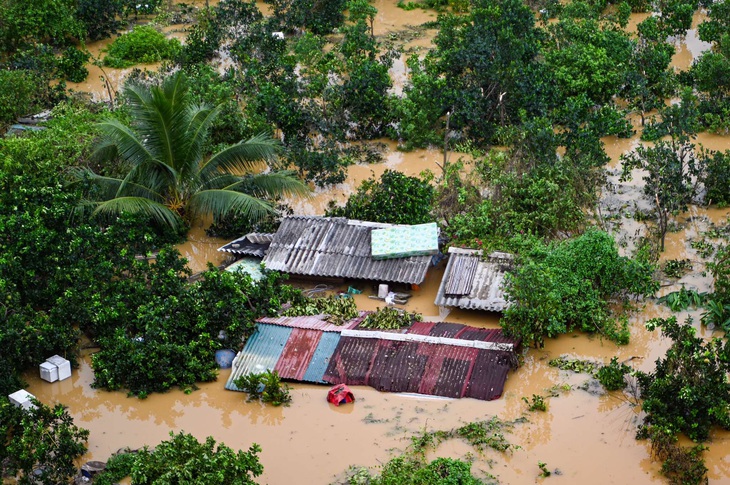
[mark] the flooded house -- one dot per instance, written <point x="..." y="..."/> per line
<point x="474" y="281"/>
<point x="430" y="358"/>
<point x="336" y="248"/>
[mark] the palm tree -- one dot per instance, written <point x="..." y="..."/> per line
<point x="171" y="178"/>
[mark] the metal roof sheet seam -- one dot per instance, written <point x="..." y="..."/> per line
<point x="408" y="337"/>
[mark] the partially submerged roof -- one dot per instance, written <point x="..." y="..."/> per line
<point x="252" y="244"/>
<point x="473" y="282"/>
<point x="337" y="247"/>
<point x="249" y="265"/>
<point x="443" y="359"/>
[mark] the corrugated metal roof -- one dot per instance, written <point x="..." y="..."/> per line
<point x="261" y="352"/>
<point x="297" y="353"/>
<point x="443" y="359"/>
<point x="337" y="247"/>
<point x="472" y="283"/>
<point x="249" y="265"/>
<point x="252" y="244"/>
<point x="312" y="322"/>
<point x="321" y="358"/>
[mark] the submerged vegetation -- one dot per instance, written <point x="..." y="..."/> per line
<point x="518" y="96"/>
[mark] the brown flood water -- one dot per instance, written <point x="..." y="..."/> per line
<point x="587" y="438"/>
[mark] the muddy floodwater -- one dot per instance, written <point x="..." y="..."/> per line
<point x="582" y="438"/>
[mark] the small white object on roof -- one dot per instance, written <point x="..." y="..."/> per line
<point x="404" y="241"/>
<point x="277" y="35"/>
<point x="49" y="372"/>
<point x="22" y="399"/>
<point x="390" y="298"/>
<point x="64" y="366"/>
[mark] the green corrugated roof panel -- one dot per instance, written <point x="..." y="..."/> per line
<point x="261" y="352"/>
<point x="404" y="241"/>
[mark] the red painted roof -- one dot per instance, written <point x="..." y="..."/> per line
<point x="297" y="353"/>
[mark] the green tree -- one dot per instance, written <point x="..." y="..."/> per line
<point x="671" y="168"/>
<point x="43" y="438"/>
<point x="170" y="178"/>
<point x="688" y="391"/>
<point x="395" y="198"/>
<point x="569" y="286"/>
<point x="183" y="459"/>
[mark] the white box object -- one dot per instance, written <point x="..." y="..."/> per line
<point x="64" y="366"/>
<point x="382" y="291"/>
<point x="22" y="399"/>
<point x="49" y="372"/>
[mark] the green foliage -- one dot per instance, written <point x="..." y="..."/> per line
<point x="568" y="286"/>
<point x="319" y="17"/>
<point x="100" y="17"/>
<point x="611" y="376"/>
<point x="544" y="472"/>
<point x="118" y="466"/>
<point x="144" y="44"/>
<point x="18" y="94"/>
<point x="688" y="391"/>
<point x="71" y="66"/>
<point x="716" y="178"/>
<point x="51" y="22"/>
<point x="574" y="365"/>
<point x="683" y="299"/>
<point x="171" y="179"/>
<point x="537" y="403"/>
<point x="395" y="198"/>
<point x="681" y="465"/>
<point x="720" y="268"/>
<point x="410" y="470"/>
<point x="44" y="438"/>
<point x="676" y="268"/>
<point x="717" y="315"/>
<point x="170" y="336"/>
<point x="388" y="318"/>
<point x="183" y="459"/>
<point x="266" y="386"/>
<point x="338" y="309"/>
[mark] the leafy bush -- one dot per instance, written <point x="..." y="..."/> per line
<point x="43" y="438"/>
<point x="396" y="198"/>
<point x="688" y="391"/>
<point x="681" y="465"/>
<point x="683" y="299"/>
<point x="568" y="286"/>
<point x="611" y="376"/>
<point x="183" y="459"/>
<point x="266" y="386"/>
<point x="170" y="336"/>
<point x="18" y="89"/>
<point x="144" y="44"/>
<point x="675" y="268"/>
<point x="71" y="66"/>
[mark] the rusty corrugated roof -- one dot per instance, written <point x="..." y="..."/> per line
<point x="297" y="354"/>
<point x="473" y="283"/>
<point x="337" y="247"/>
<point x="443" y="359"/>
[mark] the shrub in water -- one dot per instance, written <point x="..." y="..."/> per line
<point x="144" y="44"/>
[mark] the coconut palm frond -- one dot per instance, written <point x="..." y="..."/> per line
<point x="275" y="184"/>
<point x="128" y="145"/>
<point x="241" y="158"/>
<point x="138" y="205"/>
<point x="224" y="202"/>
<point x="200" y="119"/>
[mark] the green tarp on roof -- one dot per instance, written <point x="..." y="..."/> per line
<point x="404" y="241"/>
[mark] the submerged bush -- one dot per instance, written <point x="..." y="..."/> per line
<point x="144" y="44"/>
<point x="266" y="386"/>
